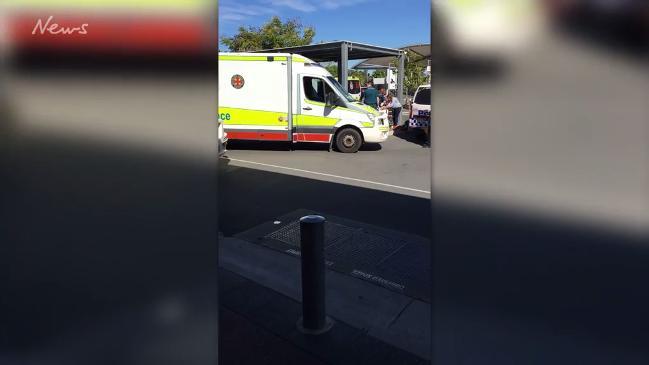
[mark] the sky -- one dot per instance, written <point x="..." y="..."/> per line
<point x="392" y="24"/>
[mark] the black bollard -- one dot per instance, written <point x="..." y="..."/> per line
<point x="314" y="319"/>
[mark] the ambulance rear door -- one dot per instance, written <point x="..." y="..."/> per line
<point x="255" y="96"/>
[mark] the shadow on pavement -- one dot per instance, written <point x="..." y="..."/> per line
<point x="288" y="146"/>
<point x="249" y="197"/>
<point x="412" y="135"/>
<point x="506" y="287"/>
<point x="371" y="147"/>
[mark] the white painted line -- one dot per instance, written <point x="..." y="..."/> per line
<point x="331" y="175"/>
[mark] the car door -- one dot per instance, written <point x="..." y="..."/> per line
<point x="315" y="121"/>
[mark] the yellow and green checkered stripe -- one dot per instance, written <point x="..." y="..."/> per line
<point x="363" y="107"/>
<point x="315" y="121"/>
<point x="237" y="116"/>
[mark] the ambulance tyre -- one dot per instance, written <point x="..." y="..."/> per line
<point x="348" y="140"/>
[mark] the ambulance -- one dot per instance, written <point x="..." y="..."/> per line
<point x="353" y="86"/>
<point x="288" y="97"/>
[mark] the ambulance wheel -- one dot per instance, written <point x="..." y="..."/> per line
<point x="348" y="140"/>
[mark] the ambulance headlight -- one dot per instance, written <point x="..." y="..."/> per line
<point x="371" y="117"/>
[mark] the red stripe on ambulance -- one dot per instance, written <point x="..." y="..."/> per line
<point x="311" y="137"/>
<point x="264" y="136"/>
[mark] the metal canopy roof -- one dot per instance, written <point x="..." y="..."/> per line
<point x="343" y="51"/>
<point x="330" y="52"/>
<point x="377" y="63"/>
<point x="416" y="53"/>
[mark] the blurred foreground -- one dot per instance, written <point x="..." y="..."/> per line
<point x="109" y="235"/>
<point x="541" y="202"/>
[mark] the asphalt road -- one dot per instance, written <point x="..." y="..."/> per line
<point x="373" y="185"/>
<point x="251" y="195"/>
<point x="399" y="165"/>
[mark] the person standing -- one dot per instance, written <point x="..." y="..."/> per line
<point x="396" y="110"/>
<point x="382" y="99"/>
<point x="371" y="96"/>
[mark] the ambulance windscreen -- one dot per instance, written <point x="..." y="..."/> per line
<point x="340" y="89"/>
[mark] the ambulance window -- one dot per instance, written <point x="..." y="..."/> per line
<point x="314" y="89"/>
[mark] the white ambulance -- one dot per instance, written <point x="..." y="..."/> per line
<point x="287" y="97"/>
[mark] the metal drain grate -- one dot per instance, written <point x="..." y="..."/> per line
<point x="393" y="260"/>
<point x="345" y="245"/>
<point x="363" y="249"/>
<point x="290" y="233"/>
<point x="411" y="265"/>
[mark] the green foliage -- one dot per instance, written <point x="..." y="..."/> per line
<point x="414" y="76"/>
<point x="333" y="69"/>
<point x="273" y="34"/>
<point x="360" y="74"/>
<point x="379" y="74"/>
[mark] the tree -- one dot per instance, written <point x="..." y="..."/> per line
<point x="360" y="74"/>
<point x="378" y="74"/>
<point x="413" y="76"/>
<point x="273" y="34"/>
<point x="333" y="69"/>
